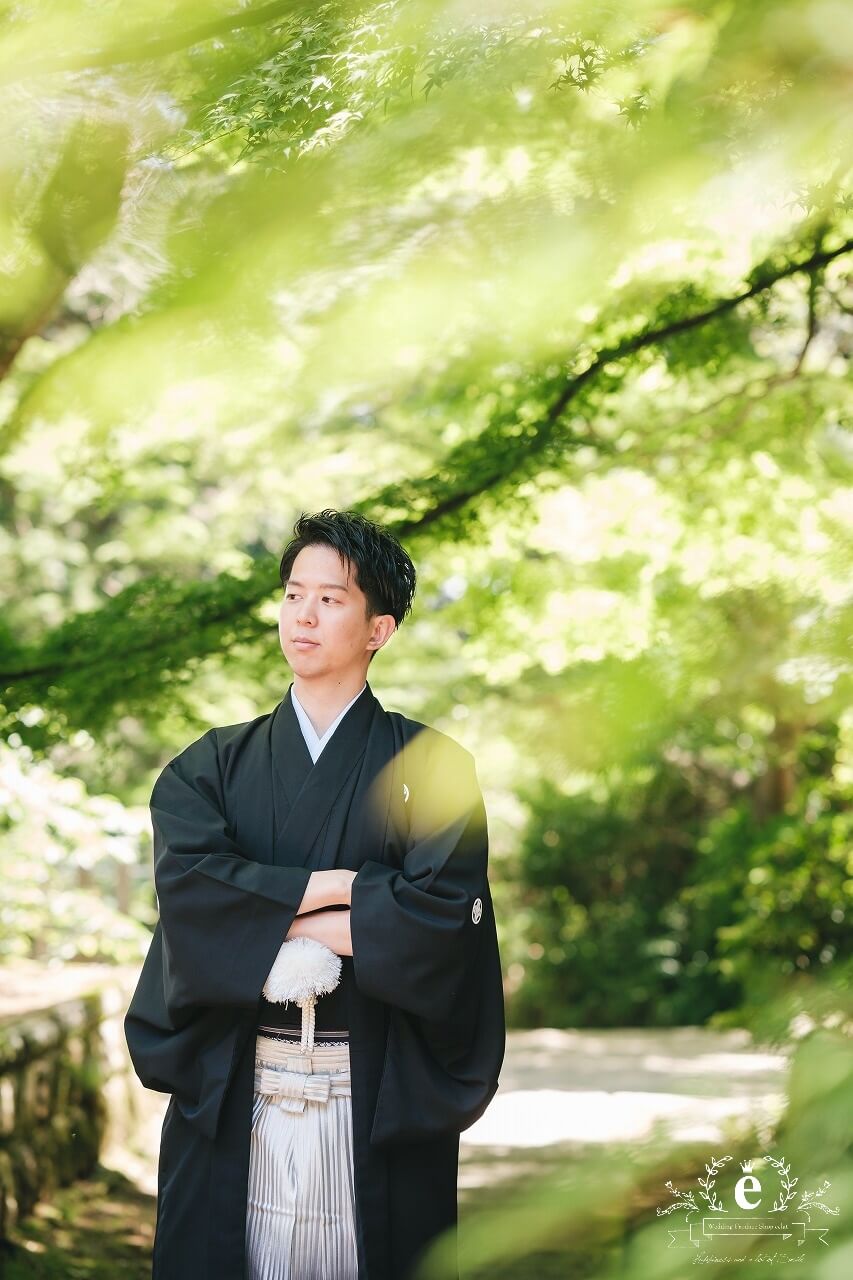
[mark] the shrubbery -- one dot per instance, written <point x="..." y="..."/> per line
<point x="647" y="903"/>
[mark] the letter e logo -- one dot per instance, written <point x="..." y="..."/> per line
<point x="749" y="1183"/>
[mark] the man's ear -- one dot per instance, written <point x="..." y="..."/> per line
<point x="383" y="629"/>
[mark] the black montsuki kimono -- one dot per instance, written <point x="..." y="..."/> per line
<point x="241" y="818"/>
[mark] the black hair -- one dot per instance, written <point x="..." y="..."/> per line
<point x="381" y="568"/>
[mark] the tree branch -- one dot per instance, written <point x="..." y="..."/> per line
<point x="811" y="328"/>
<point x="538" y="439"/>
<point x="220" y="611"/>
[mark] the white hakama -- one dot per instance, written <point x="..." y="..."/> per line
<point x="300" y="1215"/>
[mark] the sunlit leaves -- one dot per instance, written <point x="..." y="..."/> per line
<point x="436" y="264"/>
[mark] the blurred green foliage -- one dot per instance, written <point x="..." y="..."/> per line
<point x="562" y="294"/>
<point x="664" y="900"/>
<point x="69" y="869"/>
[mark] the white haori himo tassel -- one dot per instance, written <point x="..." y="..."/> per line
<point x="303" y="970"/>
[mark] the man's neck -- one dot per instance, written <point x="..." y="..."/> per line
<point x="324" y="700"/>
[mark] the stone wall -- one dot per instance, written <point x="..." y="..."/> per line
<point x="64" y="1071"/>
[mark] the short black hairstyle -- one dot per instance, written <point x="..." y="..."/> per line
<point x="381" y="567"/>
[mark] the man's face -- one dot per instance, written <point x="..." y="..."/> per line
<point x="323" y="604"/>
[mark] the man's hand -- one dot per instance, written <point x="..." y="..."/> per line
<point x="332" y="928"/>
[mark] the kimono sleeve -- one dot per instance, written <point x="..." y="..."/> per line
<point x="223" y="914"/>
<point x="416" y="929"/>
<point x="439" y="1077"/>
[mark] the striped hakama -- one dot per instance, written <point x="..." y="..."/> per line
<point x="300" y="1215"/>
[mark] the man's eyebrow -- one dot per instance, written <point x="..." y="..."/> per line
<point x="336" y="586"/>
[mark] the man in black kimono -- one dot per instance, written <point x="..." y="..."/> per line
<point x="377" y="848"/>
